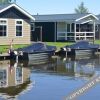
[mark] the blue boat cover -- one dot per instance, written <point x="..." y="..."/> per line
<point x="37" y="47"/>
<point x="83" y="45"/>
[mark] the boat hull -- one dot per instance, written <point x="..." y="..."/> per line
<point x="77" y="52"/>
<point x="84" y="52"/>
<point x="33" y="55"/>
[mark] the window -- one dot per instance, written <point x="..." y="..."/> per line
<point x="19" y="28"/>
<point x="61" y="27"/>
<point x="72" y="27"/>
<point x="3" y="78"/>
<point x="32" y="26"/>
<point x="77" y="27"/>
<point x="3" y="28"/>
<point x="68" y="27"/>
<point x="96" y="28"/>
<point x="19" y="75"/>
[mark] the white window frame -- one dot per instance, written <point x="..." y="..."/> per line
<point x="18" y="25"/>
<point x="3" y="19"/>
<point x="32" y="23"/>
<point x="16" y="82"/>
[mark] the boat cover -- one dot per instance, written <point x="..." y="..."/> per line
<point x="83" y="45"/>
<point x="37" y="47"/>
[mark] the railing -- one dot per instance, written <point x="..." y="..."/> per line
<point x="78" y="35"/>
<point x="84" y="35"/>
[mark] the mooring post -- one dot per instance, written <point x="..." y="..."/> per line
<point x="66" y="52"/>
<point x="17" y="58"/>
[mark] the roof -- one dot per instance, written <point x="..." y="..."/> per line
<point x="2" y="6"/>
<point x="98" y="21"/>
<point x="61" y="17"/>
<point x="8" y="6"/>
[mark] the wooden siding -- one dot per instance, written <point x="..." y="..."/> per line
<point x="48" y="32"/>
<point x="11" y="72"/>
<point x="11" y="34"/>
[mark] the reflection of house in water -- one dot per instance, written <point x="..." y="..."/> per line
<point x="65" y="68"/>
<point x="78" y="67"/>
<point x="13" y="78"/>
<point x="43" y="65"/>
<point x="84" y="67"/>
<point x="53" y="65"/>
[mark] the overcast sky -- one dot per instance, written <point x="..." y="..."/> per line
<point x="57" y="6"/>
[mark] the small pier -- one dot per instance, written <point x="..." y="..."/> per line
<point x="4" y="56"/>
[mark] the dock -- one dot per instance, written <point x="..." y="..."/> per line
<point x="4" y="56"/>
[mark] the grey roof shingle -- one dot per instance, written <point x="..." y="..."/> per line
<point x="2" y="6"/>
<point x="58" y="17"/>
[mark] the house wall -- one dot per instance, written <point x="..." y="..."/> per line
<point x="12" y="15"/>
<point x="65" y="31"/>
<point x="12" y="76"/>
<point x="11" y="34"/>
<point x="48" y="32"/>
<point x="11" y="73"/>
<point x="97" y="34"/>
<point x="61" y="27"/>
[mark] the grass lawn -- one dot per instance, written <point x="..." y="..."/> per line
<point x="97" y="42"/>
<point x="59" y="44"/>
<point x="5" y="48"/>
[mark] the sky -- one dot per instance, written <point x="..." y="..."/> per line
<point x="57" y="6"/>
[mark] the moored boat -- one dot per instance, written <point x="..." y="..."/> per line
<point x="34" y="51"/>
<point x="79" y="48"/>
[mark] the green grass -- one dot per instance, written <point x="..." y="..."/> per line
<point x="97" y="42"/>
<point x="62" y="44"/>
<point x="5" y="48"/>
<point x="59" y="44"/>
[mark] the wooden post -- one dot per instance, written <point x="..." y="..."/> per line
<point x="75" y="32"/>
<point x="66" y="52"/>
<point x="55" y="31"/>
<point x="94" y="32"/>
<point x="17" y="58"/>
<point x="41" y="33"/>
<point x="85" y="35"/>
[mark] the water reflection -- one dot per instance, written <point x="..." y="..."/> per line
<point x="79" y="66"/>
<point x="85" y="67"/>
<point x="15" y="77"/>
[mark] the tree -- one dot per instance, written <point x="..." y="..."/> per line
<point x="81" y="9"/>
<point x="10" y="1"/>
<point x="7" y="1"/>
<point x="3" y="1"/>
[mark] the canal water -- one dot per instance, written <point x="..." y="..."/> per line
<point x="48" y="79"/>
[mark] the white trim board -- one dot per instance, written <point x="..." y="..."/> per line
<point x="86" y="16"/>
<point x="18" y="25"/>
<point x="87" y="21"/>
